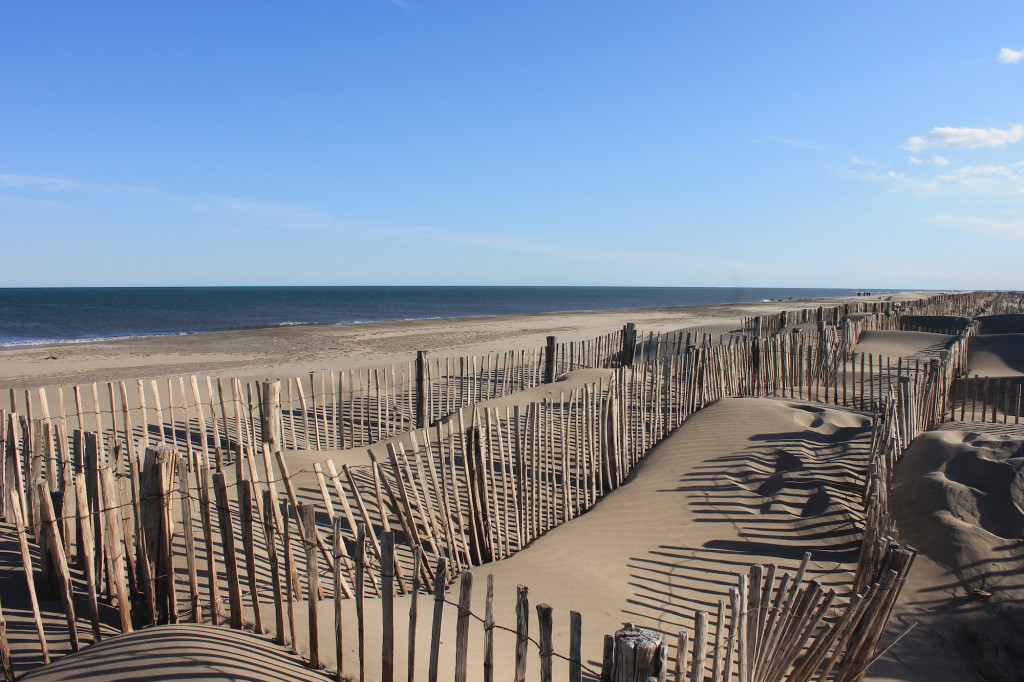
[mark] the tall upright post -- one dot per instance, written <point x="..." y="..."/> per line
<point x="270" y="415"/>
<point x="156" y="484"/>
<point x="549" y="361"/>
<point x="421" y="389"/>
<point x="628" y="345"/>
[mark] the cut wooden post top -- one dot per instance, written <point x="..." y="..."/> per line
<point x="632" y="636"/>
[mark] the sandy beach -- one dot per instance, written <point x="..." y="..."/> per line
<point x="294" y="350"/>
<point x="743" y="481"/>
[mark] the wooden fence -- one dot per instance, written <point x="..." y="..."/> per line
<point x="477" y="485"/>
<point x="326" y="410"/>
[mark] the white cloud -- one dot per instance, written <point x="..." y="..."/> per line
<point x="940" y="160"/>
<point x="946" y="137"/>
<point x="992" y="180"/>
<point x="914" y="161"/>
<point x="862" y="162"/>
<point x="1013" y="229"/>
<point x="1008" y="56"/>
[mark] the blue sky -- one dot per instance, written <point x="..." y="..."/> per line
<point x="867" y="144"/>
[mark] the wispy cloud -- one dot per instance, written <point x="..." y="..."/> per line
<point x="646" y="258"/>
<point x="261" y="209"/>
<point x="945" y="137"/>
<point x="260" y="216"/>
<point x="1008" y="56"/>
<point x="990" y="181"/>
<point x="935" y="160"/>
<point x="790" y="142"/>
<point x="51" y="184"/>
<point x="1011" y="229"/>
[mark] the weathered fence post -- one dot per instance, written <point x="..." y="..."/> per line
<point x="156" y="484"/>
<point x="270" y="415"/>
<point x="421" y="389"/>
<point x="549" y="361"/>
<point x="628" y="345"/>
<point x="636" y="655"/>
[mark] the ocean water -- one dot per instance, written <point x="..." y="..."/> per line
<point x="67" y="315"/>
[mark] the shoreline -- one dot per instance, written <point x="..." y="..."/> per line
<point x="132" y="318"/>
<point x="291" y="350"/>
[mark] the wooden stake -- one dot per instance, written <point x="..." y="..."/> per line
<point x="17" y="511"/>
<point x="462" y="626"/>
<point x="245" y="495"/>
<point x="57" y="552"/>
<point x="387" y="572"/>
<point x="489" y="630"/>
<point x="360" y="570"/>
<point x="116" y="547"/>
<point x="227" y="538"/>
<point x="270" y="514"/>
<point x="338" y="550"/>
<point x="440" y="583"/>
<point x="546" y="646"/>
<point x="575" y="647"/>
<point x="307" y="514"/>
<point x="86" y="549"/>
<point x="417" y="557"/>
<point x="522" y="631"/>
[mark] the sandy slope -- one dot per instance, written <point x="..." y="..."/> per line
<point x="199" y="652"/>
<point x="999" y="355"/>
<point x="959" y="499"/>
<point x="744" y="481"/>
<point x="902" y="344"/>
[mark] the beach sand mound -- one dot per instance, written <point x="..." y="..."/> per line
<point x="179" y="652"/>
<point x="999" y="355"/>
<point x="902" y="344"/>
<point x="1001" y="324"/>
<point x="744" y="481"/>
<point x="938" y="323"/>
<point x="959" y="499"/>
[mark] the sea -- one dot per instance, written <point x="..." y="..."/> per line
<point x="43" y="316"/>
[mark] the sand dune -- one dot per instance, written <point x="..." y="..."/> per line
<point x="959" y="499"/>
<point x="939" y="323"/>
<point x="902" y="344"/>
<point x="1000" y="355"/>
<point x="1001" y="324"/>
<point x="744" y="481"/>
<point x="178" y="652"/>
